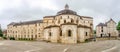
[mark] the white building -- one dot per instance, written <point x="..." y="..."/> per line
<point x="107" y="29"/>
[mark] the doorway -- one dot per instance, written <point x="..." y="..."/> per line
<point x="109" y="35"/>
<point x="101" y="35"/>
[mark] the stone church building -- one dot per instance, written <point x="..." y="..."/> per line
<point x="64" y="27"/>
<point x="107" y="29"/>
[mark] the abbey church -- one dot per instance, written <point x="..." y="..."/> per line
<point x="64" y="27"/>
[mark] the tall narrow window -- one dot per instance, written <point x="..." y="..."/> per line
<point x="86" y="34"/>
<point x="101" y="30"/>
<point x="102" y="27"/>
<point x="64" y="21"/>
<point x="60" y="32"/>
<point x="109" y="35"/>
<point x="69" y="33"/>
<point x="72" y="21"/>
<point x="50" y="34"/>
<point x="101" y="35"/>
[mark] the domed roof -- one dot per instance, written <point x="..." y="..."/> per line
<point x="66" y="11"/>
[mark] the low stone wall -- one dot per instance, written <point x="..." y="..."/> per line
<point x="106" y="38"/>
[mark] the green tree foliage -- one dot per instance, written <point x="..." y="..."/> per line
<point x="1" y="34"/>
<point x="94" y="31"/>
<point x="118" y="26"/>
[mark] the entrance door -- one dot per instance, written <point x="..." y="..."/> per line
<point x="109" y="35"/>
<point x="101" y="35"/>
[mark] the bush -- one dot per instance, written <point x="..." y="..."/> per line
<point x="4" y="37"/>
<point x="12" y="38"/>
<point x="1" y="34"/>
<point x="87" y="40"/>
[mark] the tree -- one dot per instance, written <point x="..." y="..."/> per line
<point x="1" y="34"/>
<point x="94" y="31"/>
<point x="118" y="27"/>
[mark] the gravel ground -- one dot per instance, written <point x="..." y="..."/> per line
<point x="34" y="46"/>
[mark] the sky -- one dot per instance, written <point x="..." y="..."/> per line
<point x="27" y="10"/>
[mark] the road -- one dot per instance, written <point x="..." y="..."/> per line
<point x="34" y="46"/>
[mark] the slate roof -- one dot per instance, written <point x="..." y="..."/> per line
<point x="101" y="24"/>
<point x="66" y="11"/>
<point x="105" y="24"/>
<point x="110" y="20"/>
<point x="26" y="23"/>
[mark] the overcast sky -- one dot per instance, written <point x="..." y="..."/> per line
<point x="26" y="10"/>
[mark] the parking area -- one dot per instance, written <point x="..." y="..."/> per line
<point x="35" y="46"/>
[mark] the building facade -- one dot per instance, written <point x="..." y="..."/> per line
<point x="107" y="29"/>
<point x="64" y="27"/>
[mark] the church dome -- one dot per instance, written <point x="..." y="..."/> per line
<point x="66" y="11"/>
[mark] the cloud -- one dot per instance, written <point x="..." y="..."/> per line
<point x="22" y="10"/>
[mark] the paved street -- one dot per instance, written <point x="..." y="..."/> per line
<point x="33" y="46"/>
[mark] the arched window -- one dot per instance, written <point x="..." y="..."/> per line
<point x="69" y="33"/>
<point x="60" y="32"/>
<point x="49" y="33"/>
<point x="72" y="21"/>
<point x="64" y="21"/>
